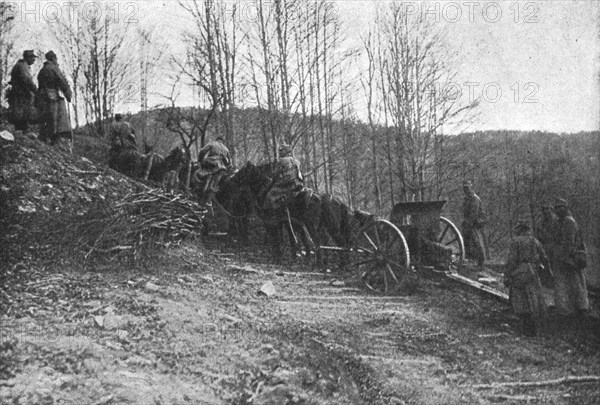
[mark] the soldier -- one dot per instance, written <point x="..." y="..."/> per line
<point x="546" y="229"/>
<point x="214" y="159"/>
<point x="21" y="95"/>
<point x="122" y="134"/>
<point x="473" y="222"/>
<point x="122" y="137"/>
<point x="545" y="233"/>
<point x="55" y="121"/>
<point x="570" y="291"/>
<point x="287" y="180"/>
<point x="521" y="276"/>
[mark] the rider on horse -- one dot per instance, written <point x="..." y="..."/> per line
<point x="122" y="145"/>
<point x="287" y="180"/>
<point x="215" y="160"/>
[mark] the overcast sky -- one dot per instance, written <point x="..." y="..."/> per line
<point x="534" y="64"/>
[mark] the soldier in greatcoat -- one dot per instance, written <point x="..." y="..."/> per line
<point x="570" y="290"/>
<point x="287" y="180"/>
<point x="521" y="276"/>
<point x="473" y="222"/>
<point x="215" y="160"/>
<point x="22" y="92"/>
<point x="54" y="118"/>
<point x="546" y="233"/>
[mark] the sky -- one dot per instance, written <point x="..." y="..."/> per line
<point x="534" y="65"/>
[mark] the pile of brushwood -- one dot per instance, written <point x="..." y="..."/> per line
<point x="60" y="210"/>
<point x="138" y="222"/>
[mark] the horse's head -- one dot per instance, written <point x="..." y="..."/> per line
<point x="176" y="158"/>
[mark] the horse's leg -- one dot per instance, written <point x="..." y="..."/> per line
<point x="148" y="166"/>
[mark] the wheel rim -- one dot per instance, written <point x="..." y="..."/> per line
<point x="380" y="256"/>
<point x="450" y="236"/>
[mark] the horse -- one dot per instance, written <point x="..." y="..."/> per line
<point x="158" y="167"/>
<point x="303" y="208"/>
<point x="150" y="166"/>
<point x="326" y="217"/>
<point x="127" y="161"/>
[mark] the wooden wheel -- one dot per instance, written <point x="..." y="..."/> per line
<point x="450" y="236"/>
<point x="380" y="256"/>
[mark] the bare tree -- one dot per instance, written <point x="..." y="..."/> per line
<point x="6" y="44"/>
<point x="417" y="71"/>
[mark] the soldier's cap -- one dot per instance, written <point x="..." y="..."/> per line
<point x="523" y="224"/>
<point x="28" y="53"/>
<point x="560" y="202"/>
<point x="118" y="117"/>
<point x="50" y="55"/>
<point x="220" y="139"/>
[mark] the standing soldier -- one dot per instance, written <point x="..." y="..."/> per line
<point x="521" y="276"/>
<point x="570" y="291"/>
<point x="287" y="180"/>
<point x="21" y="95"/>
<point x="214" y="160"/>
<point x="473" y="222"/>
<point x="545" y="233"/>
<point x="55" y="121"/>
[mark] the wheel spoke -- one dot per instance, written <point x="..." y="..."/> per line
<point x="377" y="239"/>
<point x="393" y="262"/>
<point x="391" y="272"/>
<point x="362" y="262"/>
<point x="444" y="232"/>
<point x="370" y="241"/>
<point x="452" y="241"/>
<point x="361" y="249"/>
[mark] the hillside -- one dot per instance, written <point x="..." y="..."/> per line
<point x="192" y="321"/>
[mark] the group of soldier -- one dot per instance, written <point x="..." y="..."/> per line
<point x="43" y="103"/>
<point x="214" y="161"/>
<point x="558" y="235"/>
<point x="548" y="255"/>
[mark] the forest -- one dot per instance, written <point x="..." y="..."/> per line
<point x="375" y="121"/>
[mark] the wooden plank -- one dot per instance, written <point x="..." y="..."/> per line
<point x="465" y="281"/>
<point x="343" y="297"/>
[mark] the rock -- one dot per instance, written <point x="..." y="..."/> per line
<point x="267" y="289"/>
<point x="337" y="283"/>
<point x="7" y="136"/>
<point x="151" y="286"/>
<point x="206" y="279"/>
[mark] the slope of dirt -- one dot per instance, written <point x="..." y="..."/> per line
<point x="190" y="325"/>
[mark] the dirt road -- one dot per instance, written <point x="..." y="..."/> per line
<point x="192" y="328"/>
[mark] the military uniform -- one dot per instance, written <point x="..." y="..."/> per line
<point x="473" y="222"/>
<point x="526" y="297"/>
<point x="53" y="109"/>
<point x="123" y="147"/>
<point x="21" y="96"/>
<point x="287" y="180"/>
<point x="214" y="159"/>
<point x="570" y="291"/>
<point x="122" y="135"/>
